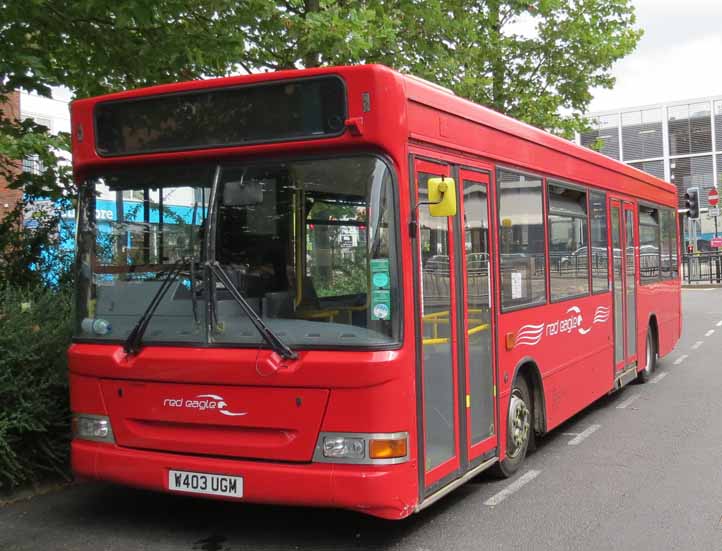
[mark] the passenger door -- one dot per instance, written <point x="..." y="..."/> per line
<point x="455" y="321"/>
<point x="437" y="331"/>
<point x="476" y="349"/>
<point x="624" y="270"/>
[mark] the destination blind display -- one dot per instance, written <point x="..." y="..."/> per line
<point x="285" y="110"/>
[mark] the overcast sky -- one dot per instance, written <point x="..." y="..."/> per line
<point x="679" y="56"/>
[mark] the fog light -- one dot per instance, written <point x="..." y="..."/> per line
<point x="92" y="427"/>
<point x="343" y="447"/>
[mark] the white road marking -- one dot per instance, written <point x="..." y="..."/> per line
<point x="658" y="378"/>
<point x="696" y="345"/>
<point x="512" y="488"/>
<point x="709" y="333"/>
<point x="699" y="289"/>
<point x="680" y="359"/>
<point x="628" y="401"/>
<point x="584" y="435"/>
<point x="719" y="323"/>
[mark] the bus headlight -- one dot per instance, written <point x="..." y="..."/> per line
<point x="92" y="427"/>
<point x="343" y="446"/>
<point x="362" y="448"/>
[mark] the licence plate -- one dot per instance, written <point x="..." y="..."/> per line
<point x="205" y="483"/>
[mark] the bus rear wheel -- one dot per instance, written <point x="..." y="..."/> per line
<point x="650" y="358"/>
<point x="519" y="429"/>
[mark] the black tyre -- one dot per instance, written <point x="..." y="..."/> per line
<point x="650" y="357"/>
<point x="520" y="429"/>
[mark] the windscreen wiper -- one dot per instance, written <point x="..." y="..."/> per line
<point x="268" y="335"/>
<point x="132" y="343"/>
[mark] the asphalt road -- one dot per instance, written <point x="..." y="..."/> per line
<point x="641" y="469"/>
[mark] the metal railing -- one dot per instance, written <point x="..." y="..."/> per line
<point x="702" y="267"/>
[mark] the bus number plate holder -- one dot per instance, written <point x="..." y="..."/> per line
<point x="205" y="483"/>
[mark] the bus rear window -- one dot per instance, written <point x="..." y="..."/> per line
<point x="287" y="110"/>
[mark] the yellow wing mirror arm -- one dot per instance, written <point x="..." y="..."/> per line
<point x="442" y="201"/>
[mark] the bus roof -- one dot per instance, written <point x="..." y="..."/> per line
<point x="425" y="93"/>
<point x="415" y="90"/>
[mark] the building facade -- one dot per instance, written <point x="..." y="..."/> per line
<point x="680" y="142"/>
<point x="52" y="112"/>
<point x="9" y="197"/>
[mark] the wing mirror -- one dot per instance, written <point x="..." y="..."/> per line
<point x="442" y="201"/>
<point x="442" y="197"/>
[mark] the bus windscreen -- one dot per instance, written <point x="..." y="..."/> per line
<point x="276" y="111"/>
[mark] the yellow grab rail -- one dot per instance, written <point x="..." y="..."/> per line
<point x="445" y="340"/>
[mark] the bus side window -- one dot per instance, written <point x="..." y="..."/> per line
<point x="568" y="247"/>
<point x="668" y="242"/>
<point x="649" y="245"/>
<point x="521" y="240"/>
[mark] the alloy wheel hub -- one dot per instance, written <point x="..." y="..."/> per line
<point x="519" y="425"/>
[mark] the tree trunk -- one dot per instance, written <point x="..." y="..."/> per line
<point x="311" y="58"/>
<point x="497" y="57"/>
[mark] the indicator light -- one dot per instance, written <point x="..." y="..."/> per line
<point x="387" y="448"/>
<point x="510" y="341"/>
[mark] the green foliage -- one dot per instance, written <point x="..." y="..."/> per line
<point x="27" y="139"/>
<point x="475" y="47"/>
<point x="33" y="257"/>
<point x="35" y="329"/>
<point x="348" y="274"/>
<point x="96" y="46"/>
<point x="530" y="60"/>
<point x="28" y="256"/>
<point x="92" y="47"/>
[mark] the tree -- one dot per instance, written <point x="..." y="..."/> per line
<point x="92" y="47"/>
<point x="529" y="59"/>
<point x="475" y="47"/>
<point x="99" y="46"/>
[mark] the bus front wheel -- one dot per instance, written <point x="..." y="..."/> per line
<point x="519" y="429"/>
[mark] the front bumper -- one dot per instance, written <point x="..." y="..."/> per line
<point x="387" y="491"/>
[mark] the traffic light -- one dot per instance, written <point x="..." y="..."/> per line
<point x="691" y="202"/>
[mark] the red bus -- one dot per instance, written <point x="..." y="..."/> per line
<point x="347" y="287"/>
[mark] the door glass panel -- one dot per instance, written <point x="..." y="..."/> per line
<point x="598" y="222"/>
<point x="631" y="273"/>
<point x="436" y="329"/>
<point x="617" y="282"/>
<point x="478" y="311"/>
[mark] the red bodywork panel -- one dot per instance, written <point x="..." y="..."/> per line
<point x="383" y="491"/>
<point x="574" y="357"/>
<point x="285" y="411"/>
<point x="279" y="424"/>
